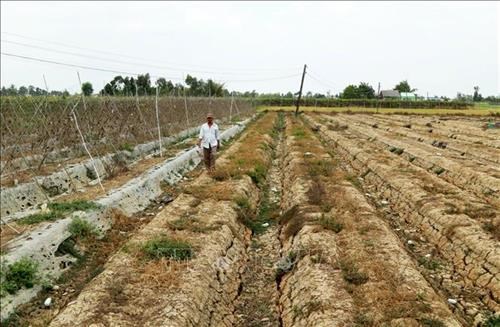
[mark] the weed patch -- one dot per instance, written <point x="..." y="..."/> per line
<point x="354" y="181"/>
<point x="429" y="322"/>
<point x="58" y="211"/>
<point x="192" y="225"/>
<point x="258" y="174"/>
<point x="320" y="168"/>
<point x="429" y="263"/>
<point x="352" y="274"/>
<point x="492" y="321"/>
<point x="81" y="228"/>
<point x="330" y="223"/>
<point x="299" y="133"/>
<point x="22" y="273"/>
<point x="164" y="247"/>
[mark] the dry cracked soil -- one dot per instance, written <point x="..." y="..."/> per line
<point x="315" y="220"/>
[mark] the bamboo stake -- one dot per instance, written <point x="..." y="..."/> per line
<point x="158" y="120"/>
<point x="81" y="135"/>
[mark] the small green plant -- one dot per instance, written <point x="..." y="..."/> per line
<point x="362" y="319"/>
<point x="258" y="174"/>
<point x="429" y="322"/>
<point x="39" y="217"/>
<point x="330" y="223"/>
<point x="81" y="228"/>
<point x="354" y="181"/>
<point x="299" y="133"/>
<point x="22" y="273"/>
<point x="492" y="321"/>
<point x="127" y="147"/>
<point x="352" y="274"/>
<point x="164" y="247"/>
<point x="192" y="225"/>
<point x="58" y="211"/>
<point x="429" y="263"/>
<point x="247" y="216"/>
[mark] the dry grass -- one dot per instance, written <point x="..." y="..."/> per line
<point x="219" y="191"/>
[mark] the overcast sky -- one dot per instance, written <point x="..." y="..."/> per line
<point x="440" y="47"/>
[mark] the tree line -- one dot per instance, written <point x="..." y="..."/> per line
<point x="197" y="87"/>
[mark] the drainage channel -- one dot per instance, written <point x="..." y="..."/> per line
<point x="258" y="300"/>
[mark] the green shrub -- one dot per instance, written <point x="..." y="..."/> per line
<point x="22" y="273"/>
<point x="81" y="228"/>
<point x="164" y="247"/>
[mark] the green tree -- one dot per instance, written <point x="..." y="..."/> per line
<point x="365" y="91"/>
<point x="87" y="89"/>
<point x="350" y="92"/>
<point x="477" y="97"/>
<point x="144" y="84"/>
<point x="404" y="86"/>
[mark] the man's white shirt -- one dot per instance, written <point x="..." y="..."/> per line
<point x="209" y="135"/>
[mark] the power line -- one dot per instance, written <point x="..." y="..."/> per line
<point x="128" y="73"/>
<point x="264" y="79"/>
<point x="319" y="81"/>
<point x="186" y="67"/>
<point x="114" y="60"/>
<point x="76" y="66"/>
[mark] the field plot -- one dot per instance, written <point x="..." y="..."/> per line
<point x="48" y="214"/>
<point x="316" y="220"/>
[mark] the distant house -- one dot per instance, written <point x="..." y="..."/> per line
<point x="408" y="96"/>
<point x="389" y="94"/>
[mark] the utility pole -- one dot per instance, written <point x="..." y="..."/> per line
<point x="300" y="91"/>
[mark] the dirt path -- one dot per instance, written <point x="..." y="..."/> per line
<point x="257" y="304"/>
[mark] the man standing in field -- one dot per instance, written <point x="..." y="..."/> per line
<point x="209" y="141"/>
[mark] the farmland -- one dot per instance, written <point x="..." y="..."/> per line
<point x="325" y="219"/>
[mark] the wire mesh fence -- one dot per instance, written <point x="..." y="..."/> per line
<point x="39" y="133"/>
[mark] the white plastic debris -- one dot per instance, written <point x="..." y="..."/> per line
<point x="48" y="302"/>
<point x="410" y="242"/>
<point x="452" y="301"/>
<point x="384" y="202"/>
<point x="265" y="224"/>
<point x="43" y="207"/>
<point x="428" y="255"/>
